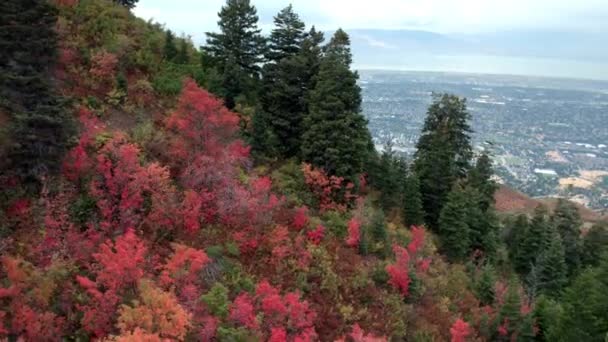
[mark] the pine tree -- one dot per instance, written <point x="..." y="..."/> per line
<point x="283" y="83"/>
<point x="127" y="3"/>
<point x="480" y="178"/>
<point x="443" y="153"/>
<point x="567" y="221"/>
<point x="535" y="241"/>
<point x="237" y="50"/>
<point x="389" y="177"/>
<point x="485" y="284"/>
<point x="551" y="266"/>
<point x="585" y="303"/>
<point x="41" y="127"/>
<point x="413" y="213"/>
<point x="595" y="244"/>
<point x="453" y="228"/>
<point x="516" y="243"/>
<point x="286" y="82"/>
<point x="169" y="50"/>
<point x="182" y="57"/>
<point x="509" y="313"/>
<point x="336" y="136"/>
<point x="379" y="235"/>
<point x="287" y="36"/>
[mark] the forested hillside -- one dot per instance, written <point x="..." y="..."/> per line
<point x="152" y="190"/>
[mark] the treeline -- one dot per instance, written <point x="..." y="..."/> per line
<point x="301" y="97"/>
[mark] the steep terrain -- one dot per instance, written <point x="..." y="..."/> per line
<point x="161" y="226"/>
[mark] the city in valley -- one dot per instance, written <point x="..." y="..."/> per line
<point x="548" y="136"/>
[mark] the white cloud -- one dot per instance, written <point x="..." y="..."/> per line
<point x="447" y="16"/>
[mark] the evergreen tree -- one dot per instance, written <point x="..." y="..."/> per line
<point x="482" y="224"/>
<point x="41" y="127"/>
<point x="389" y="177"/>
<point x="336" y="136"/>
<point x="127" y="3"/>
<point x="169" y="50"/>
<point x="237" y="50"/>
<point x="510" y="310"/>
<point x="379" y="235"/>
<point x="535" y="241"/>
<point x="286" y="82"/>
<point x="311" y="53"/>
<point x="485" y="284"/>
<point x="567" y="221"/>
<point x="595" y="244"/>
<point x="551" y="266"/>
<point x="453" y="228"/>
<point x="585" y="304"/>
<point x="182" y="57"/>
<point x="547" y="312"/>
<point x="287" y="36"/>
<point x="480" y="178"/>
<point x="516" y="243"/>
<point x="443" y="152"/>
<point x="413" y="213"/>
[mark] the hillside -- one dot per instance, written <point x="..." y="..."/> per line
<point x="510" y="201"/>
<point x="181" y="210"/>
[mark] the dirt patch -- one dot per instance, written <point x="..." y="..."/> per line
<point x="576" y="182"/>
<point x="593" y="175"/>
<point x="556" y="156"/>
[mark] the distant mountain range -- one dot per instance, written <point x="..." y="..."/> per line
<point x="520" y="52"/>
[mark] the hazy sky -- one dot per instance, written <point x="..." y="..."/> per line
<point x="444" y="16"/>
<point x="581" y="21"/>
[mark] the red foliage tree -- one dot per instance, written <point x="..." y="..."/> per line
<point x="77" y="162"/>
<point x="300" y="218"/>
<point x="398" y="272"/>
<point x="122" y="185"/>
<point x="183" y="268"/>
<point x="156" y="312"/>
<point x="242" y="312"/>
<point x="103" y="65"/>
<point x="316" y="236"/>
<point x="202" y="124"/>
<point x="120" y="267"/>
<point x="417" y="240"/>
<point x="284" y="313"/>
<point x="331" y="192"/>
<point x="358" y="335"/>
<point x="459" y="331"/>
<point x="353" y="233"/>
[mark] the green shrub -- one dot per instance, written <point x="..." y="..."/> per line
<point x="216" y="300"/>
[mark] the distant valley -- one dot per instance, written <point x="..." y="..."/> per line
<point x="549" y="136"/>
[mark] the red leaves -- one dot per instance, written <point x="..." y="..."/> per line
<point x="242" y="312"/>
<point x="353" y="233"/>
<point x="103" y="65"/>
<point x="183" y="266"/>
<point x="202" y="124"/>
<point x="399" y="271"/>
<point x="156" y="312"/>
<point x="417" y="240"/>
<point x="191" y="211"/>
<point x="358" y="335"/>
<point x="121" y="261"/>
<point x="300" y="218"/>
<point x="459" y="331"/>
<point x="330" y="191"/>
<point x="284" y="314"/>
<point x="316" y="236"/>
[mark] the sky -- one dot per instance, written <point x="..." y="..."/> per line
<point x="469" y="18"/>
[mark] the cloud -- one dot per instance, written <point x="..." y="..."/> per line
<point x="445" y="16"/>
